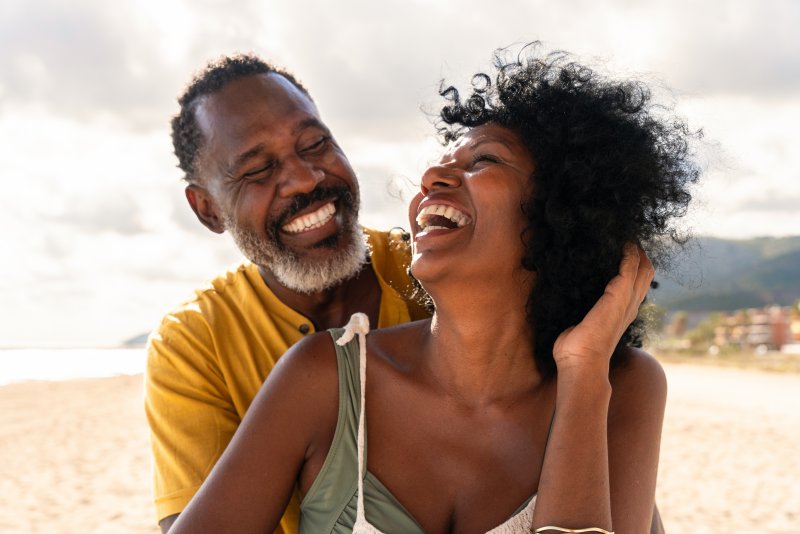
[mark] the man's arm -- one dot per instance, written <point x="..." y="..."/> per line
<point x="290" y="424"/>
<point x="188" y="407"/>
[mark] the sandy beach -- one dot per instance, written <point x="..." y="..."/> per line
<point x="75" y="454"/>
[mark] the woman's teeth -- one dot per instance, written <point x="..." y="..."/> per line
<point x="311" y="220"/>
<point x="439" y="216"/>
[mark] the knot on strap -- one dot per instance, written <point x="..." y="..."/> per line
<point x="358" y="324"/>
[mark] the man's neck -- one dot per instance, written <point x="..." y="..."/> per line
<point x="333" y="307"/>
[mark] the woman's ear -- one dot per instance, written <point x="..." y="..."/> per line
<point x="205" y="207"/>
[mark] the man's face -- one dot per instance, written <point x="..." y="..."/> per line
<point x="281" y="184"/>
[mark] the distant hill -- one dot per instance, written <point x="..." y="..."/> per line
<point x="136" y="341"/>
<point x="724" y="275"/>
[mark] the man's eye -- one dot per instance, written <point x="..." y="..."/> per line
<point x="318" y="145"/>
<point x="258" y="174"/>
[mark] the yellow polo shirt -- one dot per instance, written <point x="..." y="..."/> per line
<point x="209" y="357"/>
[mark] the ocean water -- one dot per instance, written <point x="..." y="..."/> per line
<point x="20" y="365"/>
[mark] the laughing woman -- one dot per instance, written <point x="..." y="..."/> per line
<point x="523" y="404"/>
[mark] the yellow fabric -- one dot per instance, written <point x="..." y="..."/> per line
<point x="208" y="358"/>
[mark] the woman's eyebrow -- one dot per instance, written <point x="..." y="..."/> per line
<point x="479" y="142"/>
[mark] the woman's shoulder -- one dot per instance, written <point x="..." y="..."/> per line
<point x="639" y="383"/>
<point x="397" y="345"/>
<point x="310" y="362"/>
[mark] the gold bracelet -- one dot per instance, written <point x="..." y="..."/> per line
<point x="540" y="530"/>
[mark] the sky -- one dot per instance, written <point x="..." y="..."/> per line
<point x="98" y="241"/>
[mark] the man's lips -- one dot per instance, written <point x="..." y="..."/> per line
<point x="310" y="221"/>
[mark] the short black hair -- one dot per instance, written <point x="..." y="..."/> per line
<point x="611" y="167"/>
<point x="187" y="140"/>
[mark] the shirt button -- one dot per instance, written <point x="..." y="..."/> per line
<point x="304" y="328"/>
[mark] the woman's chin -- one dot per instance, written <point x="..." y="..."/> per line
<point x="426" y="272"/>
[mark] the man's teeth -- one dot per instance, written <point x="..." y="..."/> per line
<point x="311" y="220"/>
<point x="426" y="214"/>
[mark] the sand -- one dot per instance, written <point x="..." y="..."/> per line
<point x="74" y="455"/>
<point x="730" y="451"/>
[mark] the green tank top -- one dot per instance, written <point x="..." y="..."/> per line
<point x="330" y="504"/>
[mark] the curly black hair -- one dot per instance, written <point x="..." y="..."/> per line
<point x="187" y="140"/>
<point x="611" y="167"/>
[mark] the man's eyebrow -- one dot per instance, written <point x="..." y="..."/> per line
<point x="310" y="122"/>
<point x="247" y="155"/>
<point x="244" y="157"/>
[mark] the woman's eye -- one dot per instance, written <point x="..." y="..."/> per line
<point x="484" y="158"/>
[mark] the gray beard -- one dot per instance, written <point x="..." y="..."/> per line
<point x="302" y="275"/>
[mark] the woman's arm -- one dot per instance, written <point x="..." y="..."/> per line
<point x="635" y="419"/>
<point x="290" y="420"/>
<point x="590" y="426"/>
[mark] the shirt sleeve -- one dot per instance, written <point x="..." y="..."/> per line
<point x="189" y="409"/>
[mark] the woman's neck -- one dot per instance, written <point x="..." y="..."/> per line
<point x="480" y="347"/>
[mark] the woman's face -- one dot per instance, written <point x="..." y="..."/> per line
<point x="467" y="219"/>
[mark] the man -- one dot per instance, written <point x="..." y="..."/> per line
<point x="259" y="163"/>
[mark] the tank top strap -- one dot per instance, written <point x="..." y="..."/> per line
<point x="359" y="325"/>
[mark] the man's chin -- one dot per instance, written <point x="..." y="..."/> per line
<point x="319" y="269"/>
<point x="309" y="262"/>
<point x="302" y="245"/>
<point x="331" y="242"/>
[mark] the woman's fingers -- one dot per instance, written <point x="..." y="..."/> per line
<point x="613" y="309"/>
<point x="600" y="331"/>
<point x="644" y="277"/>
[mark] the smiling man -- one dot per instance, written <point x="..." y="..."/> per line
<point x="260" y="164"/>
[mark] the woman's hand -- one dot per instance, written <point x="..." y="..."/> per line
<point x="602" y="455"/>
<point x="589" y="344"/>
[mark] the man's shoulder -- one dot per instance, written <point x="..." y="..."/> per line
<point x="229" y="286"/>
<point x="219" y="298"/>
<point x="390" y="254"/>
<point x="395" y="241"/>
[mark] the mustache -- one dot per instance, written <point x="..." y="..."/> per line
<point x="341" y="195"/>
<point x="304" y="200"/>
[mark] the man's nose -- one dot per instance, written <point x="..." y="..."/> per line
<point x="440" y="177"/>
<point x="299" y="176"/>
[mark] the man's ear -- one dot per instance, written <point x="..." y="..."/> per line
<point x="204" y="206"/>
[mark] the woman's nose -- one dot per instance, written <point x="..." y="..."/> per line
<point x="441" y="177"/>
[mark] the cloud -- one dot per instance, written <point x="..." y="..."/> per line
<point x="85" y="59"/>
<point x="371" y="64"/>
<point x="744" y="47"/>
<point x="772" y="201"/>
<point x="119" y="215"/>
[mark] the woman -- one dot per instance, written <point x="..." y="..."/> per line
<point x="523" y="403"/>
